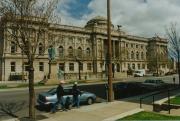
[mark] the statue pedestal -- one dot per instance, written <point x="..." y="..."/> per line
<point x="53" y="75"/>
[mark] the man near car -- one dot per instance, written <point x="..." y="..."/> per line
<point x="60" y="99"/>
<point x="76" y="92"/>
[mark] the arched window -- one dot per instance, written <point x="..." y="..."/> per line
<point x="142" y="55"/>
<point x="40" y="49"/>
<point x="13" y="47"/>
<point x="132" y="55"/>
<point x="79" y="52"/>
<point x="137" y="55"/>
<point x="61" y="51"/>
<point x="133" y="66"/>
<point x="118" y="67"/>
<point x="70" y="51"/>
<point x="88" y="52"/>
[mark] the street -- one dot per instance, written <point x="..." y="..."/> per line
<point x="17" y="101"/>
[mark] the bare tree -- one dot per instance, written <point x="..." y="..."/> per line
<point x="26" y="23"/>
<point x="174" y="45"/>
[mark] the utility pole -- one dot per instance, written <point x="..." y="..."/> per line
<point x="109" y="54"/>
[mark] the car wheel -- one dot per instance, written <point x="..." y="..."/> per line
<point x="90" y="101"/>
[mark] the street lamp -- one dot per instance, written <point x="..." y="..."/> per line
<point x="51" y="54"/>
<point x="79" y="69"/>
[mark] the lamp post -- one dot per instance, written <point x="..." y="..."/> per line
<point x="79" y="69"/>
<point x="109" y="54"/>
<point x="51" y="57"/>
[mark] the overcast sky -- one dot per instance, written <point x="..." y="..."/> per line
<point x="138" y="17"/>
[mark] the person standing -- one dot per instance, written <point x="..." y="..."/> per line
<point x="76" y="92"/>
<point x="60" y="99"/>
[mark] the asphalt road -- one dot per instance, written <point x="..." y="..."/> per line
<point x="17" y="101"/>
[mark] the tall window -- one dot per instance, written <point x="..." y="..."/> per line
<point x="142" y="55"/>
<point x="89" y="66"/>
<point x="26" y="66"/>
<point x="143" y="66"/>
<point x="139" y="66"/>
<point x="40" y="49"/>
<point x="70" y="51"/>
<point x="118" y="67"/>
<point x="61" y="66"/>
<point x="41" y="66"/>
<point x="88" y="52"/>
<point x="132" y="55"/>
<point x="137" y="55"/>
<point x="79" y="52"/>
<point x="81" y="66"/>
<point x="133" y="66"/>
<point x="71" y="66"/>
<point x="61" y="51"/>
<point x="13" y="66"/>
<point x="13" y="47"/>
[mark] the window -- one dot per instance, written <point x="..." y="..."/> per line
<point x="13" y="66"/>
<point x="101" y="65"/>
<point x="126" y="45"/>
<point x="41" y="66"/>
<point x="141" y="46"/>
<point x="71" y="66"/>
<point x="142" y="55"/>
<point x="132" y="45"/>
<point x="61" y="66"/>
<point x="26" y="66"/>
<point x="13" y="47"/>
<point x="118" y="67"/>
<point x="79" y="52"/>
<point x="139" y="66"/>
<point x="143" y="66"/>
<point x="61" y="51"/>
<point x="137" y="46"/>
<point x="132" y="55"/>
<point x="40" y="49"/>
<point x="88" y="52"/>
<point x="137" y="55"/>
<point x="133" y="66"/>
<point x="89" y="66"/>
<point x="129" y="66"/>
<point x="70" y="51"/>
<point x="81" y="66"/>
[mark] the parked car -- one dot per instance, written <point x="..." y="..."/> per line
<point x="50" y="97"/>
<point x="154" y="84"/>
<point x="139" y="73"/>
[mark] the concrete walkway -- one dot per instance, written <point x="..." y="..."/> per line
<point x="96" y="112"/>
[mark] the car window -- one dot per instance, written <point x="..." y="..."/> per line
<point x="52" y="91"/>
<point x="67" y="91"/>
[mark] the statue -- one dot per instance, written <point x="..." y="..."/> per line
<point x="51" y="53"/>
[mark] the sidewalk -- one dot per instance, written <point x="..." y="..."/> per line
<point x="96" y="112"/>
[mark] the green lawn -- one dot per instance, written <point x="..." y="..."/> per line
<point x="149" y="116"/>
<point x="175" y="100"/>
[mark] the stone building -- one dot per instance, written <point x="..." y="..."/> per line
<point x="82" y="52"/>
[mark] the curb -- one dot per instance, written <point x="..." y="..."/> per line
<point x="122" y="115"/>
<point x="13" y="119"/>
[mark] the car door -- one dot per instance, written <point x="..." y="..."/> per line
<point x="68" y="93"/>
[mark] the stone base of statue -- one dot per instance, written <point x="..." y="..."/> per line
<point x="53" y="75"/>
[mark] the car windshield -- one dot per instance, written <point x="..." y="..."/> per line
<point x="52" y="91"/>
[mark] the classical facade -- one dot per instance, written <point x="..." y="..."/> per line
<point x="82" y="52"/>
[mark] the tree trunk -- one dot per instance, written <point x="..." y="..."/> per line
<point x="31" y="91"/>
<point x="179" y="68"/>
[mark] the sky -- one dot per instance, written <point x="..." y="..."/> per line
<point x="145" y="18"/>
